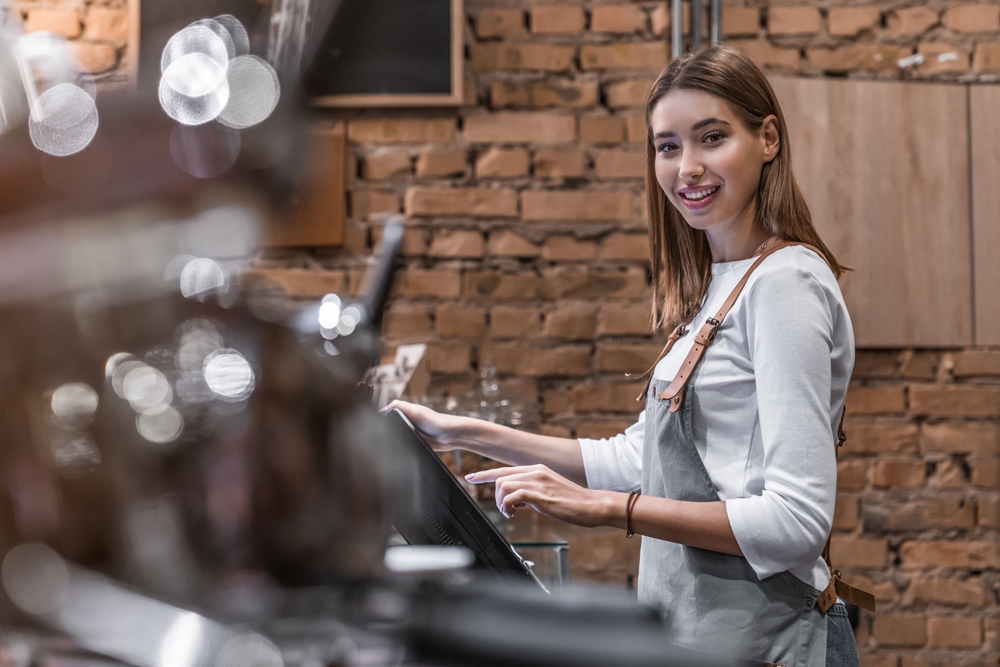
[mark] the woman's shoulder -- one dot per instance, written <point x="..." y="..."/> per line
<point x="795" y="270"/>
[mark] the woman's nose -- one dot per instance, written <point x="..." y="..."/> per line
<point x="691" y="165"/>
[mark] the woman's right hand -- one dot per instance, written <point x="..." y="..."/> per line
<point x="440" y="431"/>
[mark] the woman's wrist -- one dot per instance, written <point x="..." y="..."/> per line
<point x="609" y="509"/>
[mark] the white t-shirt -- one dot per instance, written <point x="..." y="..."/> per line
<point x="767" y="401"/>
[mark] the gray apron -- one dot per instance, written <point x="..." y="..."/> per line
<point x="714" y="602"/>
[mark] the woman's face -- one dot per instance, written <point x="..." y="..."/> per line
<point x="707" y="162"/>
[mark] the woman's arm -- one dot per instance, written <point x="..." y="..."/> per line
<point x="702" y="525"/>
<point x="500" y="443"/>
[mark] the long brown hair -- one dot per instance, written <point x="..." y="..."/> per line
<point x="679" y="254"/>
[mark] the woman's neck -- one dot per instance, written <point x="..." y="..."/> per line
<point x="735" y="243"/>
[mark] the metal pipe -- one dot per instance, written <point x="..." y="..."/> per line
<point x="697" y="13"/>
<point x="677" y="29"/>
<point x="716" y="21"/>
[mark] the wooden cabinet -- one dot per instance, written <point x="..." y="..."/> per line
<point x="984" y="101"/>
<point x="885" y="168"/>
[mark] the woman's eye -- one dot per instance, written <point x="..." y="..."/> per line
<point x="714" y="137"/>
<point x="666" y="148"/>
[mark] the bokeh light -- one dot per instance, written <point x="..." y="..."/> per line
<point x="204" y="151"/>
<point x="349" y="320"/>
<point x="63" y="120"/>
<point x="193" y="110"/>
<point x="35" y="578"/>
<point x="194" y="39"/>
<point x="183" y="642"/>
<point x="229" y="375"/>
<point x="238" y="34"/>
<point x="74" y="405"/>
<point x="253" y="92"/>
<point x="249" y="650"/>
<point x="161" y="425"/>
<point x="202" y="277"/>
<point x="146" y="388"/>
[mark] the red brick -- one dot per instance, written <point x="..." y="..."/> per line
<point x="65" y="22"/>
<point x="899" y="473"/>
<point x="858" y="552"/>
<point x="414" y="240"/>
<point x="94" y="57"/>
<point x="617" y="163"/>
<point x="402" y="323"/>
<point x="570" y="282"/>
<point x="298" y="283"/>
<point x="428" y="283"/>
<point x="476" y="202"/>
<point x="991" y="632"/>
<point x="919" y="365"/>
<point x="765" y="55"/>
<point x="607" y="397"/>
<point x="516" y="127"/>
<point x="940" y="57"/>
<point x="973" y="17"/>
<point x="793" y="20"/>
<point x="499" y="23"/>
<point x="900" y="630"/>
<point x="601" y="428"/>
<point x="601" y="129"/>
<point x="624" y="358"/>
<point x="969" y="592"/>
<point x="401" y="131"/>
<point x="989" y="511"/>
<point x="624" y="319"/>
<point x="555" y="431"/>
<point x="463" y="321"/>
<point x="954" y="400"/>
<point x="106" y="24"/>
<point x="556" y="402"/>
<point x="974" y="555"/>
<point x="540" y="94"/>
<point x="386" y="163"/>
<point x="567" y="249"/>
<point x="489" y="56"/>
<point x="576" y="321"/>
<point x="626" y="94"/>
<point x="618" y="19"/>
<point x="509" y="244"/>
<point x="649" y="56"/>
<point x="520" y="359"/>
<point x="881" y="437"/>
<point x="880" y="659"/>
<point x="909" y="21"/>
<point x="976" y="362"/>
<point x="456" y="243"/>
<point x="636" y="130"/>
<point x="659" y="19"/>
<point x="515" y="321"/>
<point x="869" y="57"/>
<point x="368" y="203"/>
<point x="948" y="473"/>
<point x="954" y="632"/>
<point x="452" y="162"/>
<point x="986" y="473"/>
<point x="849" y="21"/>
<point x="852" y="474"/>
<point x="502" y="163"/>
<point x="986" y="59"/>
<point x="740" y="21"/>
<point x="876" y="400"/>
<point x="956" y="437"/>
<point x="497" y="285"/>
<point x="625" y="246"/>
<point x="557" y="20"/>
<point x="577" y="205"/>
<point x="845" y="514"/>
<point x="916" y="515"/>
<point x="448" y="358"/>
<point x="560" y="164"/>
<point x="875" y="365"/>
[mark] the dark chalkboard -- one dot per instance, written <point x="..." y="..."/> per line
<point x="389" y="53"/>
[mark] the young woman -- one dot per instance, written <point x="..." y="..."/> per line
<point x="734" y="454"/>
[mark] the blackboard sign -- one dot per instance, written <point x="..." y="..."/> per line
<point x="389" y="53"/>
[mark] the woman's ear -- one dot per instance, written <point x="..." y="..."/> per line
<point x="771" y="137"/>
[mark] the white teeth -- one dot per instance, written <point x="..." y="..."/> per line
<point x="695" y="196"/>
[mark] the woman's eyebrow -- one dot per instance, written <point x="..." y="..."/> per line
<point x="697" y="126"/>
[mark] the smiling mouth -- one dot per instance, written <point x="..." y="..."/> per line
<point x="701" y="194"/>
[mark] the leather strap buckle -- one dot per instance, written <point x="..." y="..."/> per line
<point x="707" y="333"/>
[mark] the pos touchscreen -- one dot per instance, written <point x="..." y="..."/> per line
<point x="442" y="513"/>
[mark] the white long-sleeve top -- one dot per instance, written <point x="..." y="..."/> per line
<point x="767" y="402"/>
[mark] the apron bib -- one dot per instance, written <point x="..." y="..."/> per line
<point x="714" y="602"/>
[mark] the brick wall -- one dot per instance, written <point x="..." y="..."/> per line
<point x="526" y="246"/>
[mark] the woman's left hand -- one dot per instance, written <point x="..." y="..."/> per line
<point x="546" y="492"/>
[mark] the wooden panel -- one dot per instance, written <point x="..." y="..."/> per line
<point x="318" y="217"/>
<point x="985" y="131"/>
<point x="884" y="167"/>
